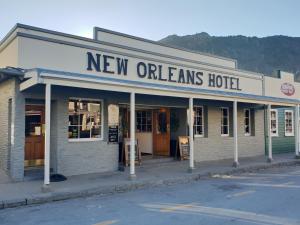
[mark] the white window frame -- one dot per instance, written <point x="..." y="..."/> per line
<point x="203" y="130"/>
<point x="221" y="111"/>
<point x="250" y="120"/>
<point x="276" y="117"/>
<point x="102" y="120"/>
<point x="146" y="124"/>
<point x="292" y="113"/>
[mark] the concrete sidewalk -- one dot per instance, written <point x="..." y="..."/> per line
<point x="148" y="175"/>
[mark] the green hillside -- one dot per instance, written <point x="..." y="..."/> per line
<point x="264" y="55"/>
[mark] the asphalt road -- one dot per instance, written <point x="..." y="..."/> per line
<point x="267" y="197"/>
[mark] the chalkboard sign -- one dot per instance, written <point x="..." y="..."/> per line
<point x="113" y="134"/>
<point x="183" y="147"/>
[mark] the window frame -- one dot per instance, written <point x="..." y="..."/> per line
<point x="194" y="119"/>
<point x="250" y="120"/>
<point x="228" y="118"/>
<point x="101" y="138"/>
<point x="146" y="124"/>
<point x="276" y="112"/>
<point x="293" y="130"/>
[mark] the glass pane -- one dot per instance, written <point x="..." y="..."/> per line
<point x="162" y="122"/>
<point x="33" y="125"/>
<point x="225" y="130"/>
<point x="96" y="132"/>
<point x="247" y="113"/>
<point x="149" y="128"/>
<point x="84" y="132"/>
<point x="73" y="131"/>
<point x="73" y="119"/>
<point x="225" y="121"/>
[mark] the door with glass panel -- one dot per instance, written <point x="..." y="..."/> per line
<point x="34" y="135"/>
<point x="161" y="132"/>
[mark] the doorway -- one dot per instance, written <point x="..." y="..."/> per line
<point x="152" y="129"/>
<point x="161" y="132"/>
<point x="34" y="135"/>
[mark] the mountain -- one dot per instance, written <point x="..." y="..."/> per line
<point x="264" y="55"/>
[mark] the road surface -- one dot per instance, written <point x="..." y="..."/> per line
<point x="268" y="197"/>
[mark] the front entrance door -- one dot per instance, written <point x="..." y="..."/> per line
<point x="34" y="135"/>
<point x="161" y="132"/>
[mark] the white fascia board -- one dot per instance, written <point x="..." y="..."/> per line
<point x="61" y="80"/>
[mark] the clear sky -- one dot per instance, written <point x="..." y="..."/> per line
<point x="155" y="19"/>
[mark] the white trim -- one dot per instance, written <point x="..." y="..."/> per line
<point x="47" y="134"/>
<point x="203" y="125"/>
<point x="276" y="112"/>
<point x="250" y="120"/>
<point x="101" y="138"/>
<point x="293" y="130"/>
<point x="132" y="135"/>
<point x="225" y="135"/>
<point x="191" y="133"/>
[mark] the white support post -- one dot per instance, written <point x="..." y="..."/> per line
<point x="270" y="157"/>
<point x="47" y="135"/>
<point x="191" y="133"/>
<point x="297" y="131"/>
<point x="235" y="134"/>
<point x="132" y="135"/>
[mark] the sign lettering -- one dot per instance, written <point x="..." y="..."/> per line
<point x="144" y="70"/>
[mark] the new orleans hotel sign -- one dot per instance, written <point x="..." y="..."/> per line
<point x="109" y="64"/>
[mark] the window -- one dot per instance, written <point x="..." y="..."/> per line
<point x="274" y="122"/>
<point x="247" y="122"/>
<point x="224" y="121"/>
<point x="198" y="121"/>
<point x="85" y="119"/>
<point x="289" y="123"/>
<point x="143" y="121"/>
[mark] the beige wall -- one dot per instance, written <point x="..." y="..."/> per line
<point x="9" y="55"/>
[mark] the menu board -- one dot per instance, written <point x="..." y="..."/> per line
<point x="126" y="148"/>
<point x="113" y="134"/>
<point x="113" y="114"/>
<point x="183" y="147"/>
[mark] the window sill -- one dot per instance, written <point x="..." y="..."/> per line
<point x="85" y="140"/>
<point x="198" y="136"/>
<point x="289" y="135"/>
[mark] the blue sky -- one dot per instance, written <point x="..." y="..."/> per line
<point x="155" y="19"/>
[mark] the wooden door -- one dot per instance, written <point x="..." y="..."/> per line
<point x="161" y="132"/>
<point x="34" y="135"/>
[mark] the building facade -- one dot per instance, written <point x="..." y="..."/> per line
<point x="66" y="103"/>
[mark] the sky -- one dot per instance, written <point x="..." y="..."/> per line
<point x="156" y="19"/>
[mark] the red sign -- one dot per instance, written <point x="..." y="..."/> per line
<point x="288" y="89"/>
